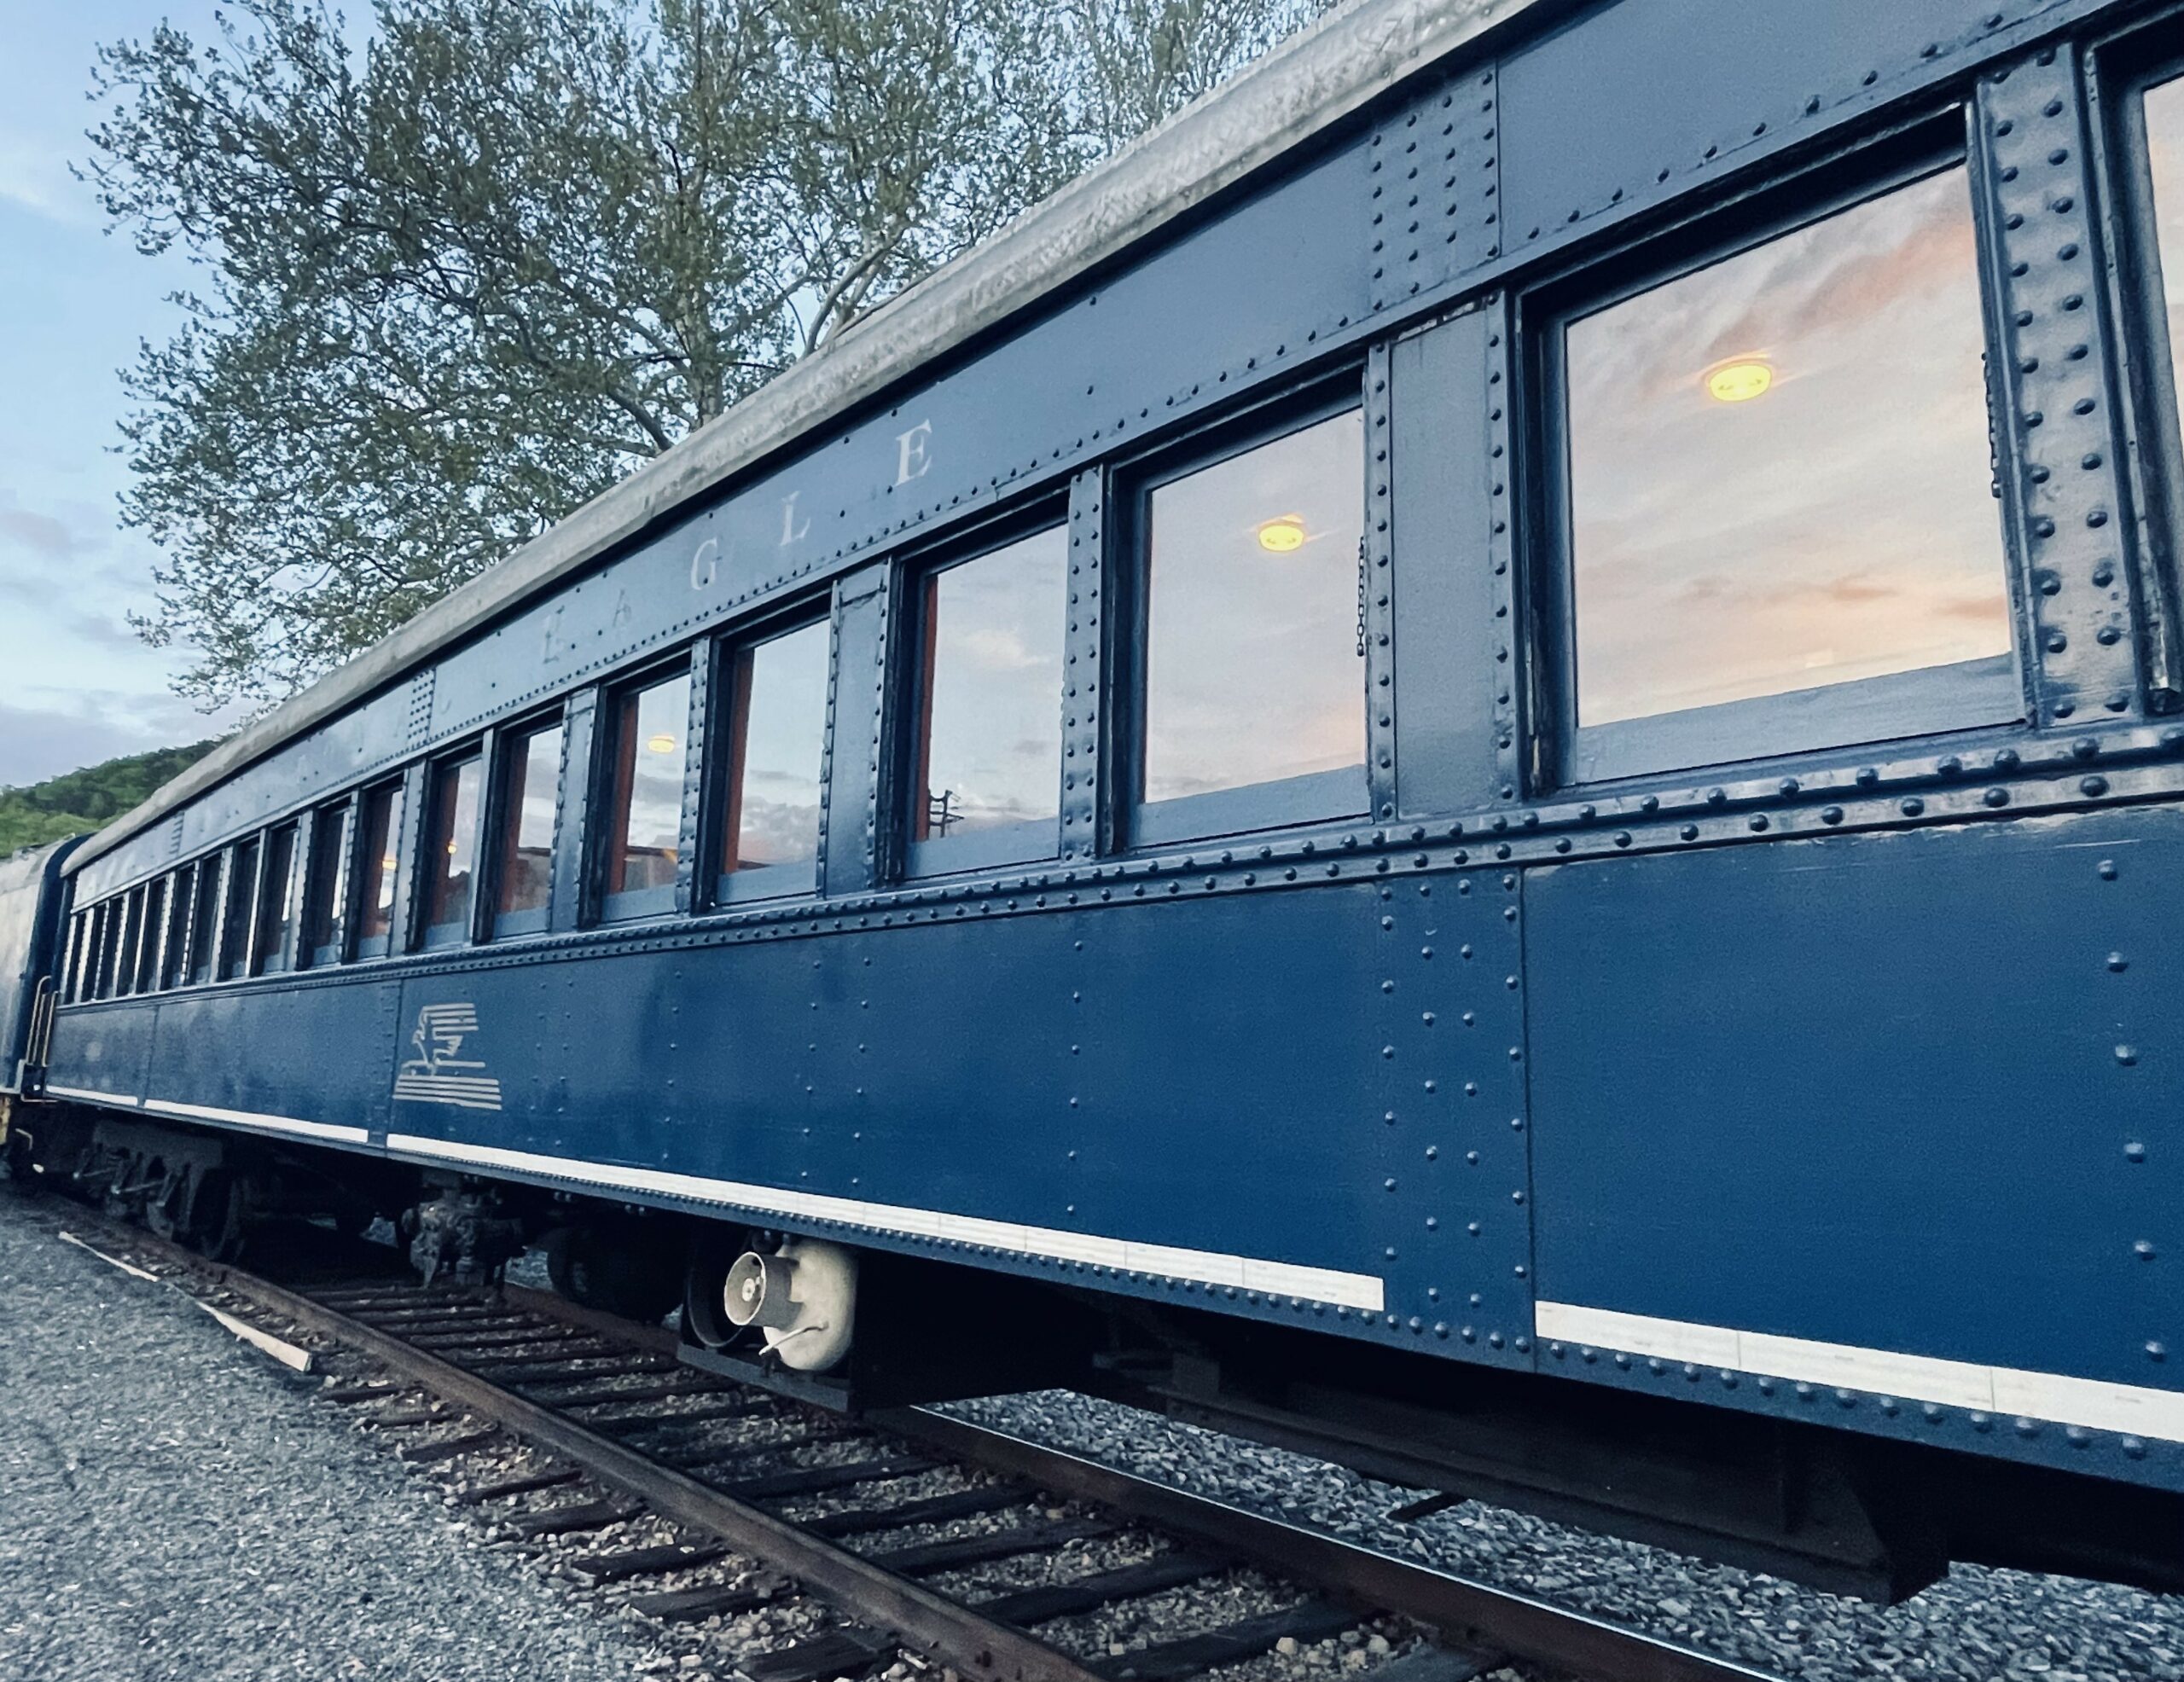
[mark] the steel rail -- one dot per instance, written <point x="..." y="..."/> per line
<point x="1467" y="1613"/>
<point x="921" y="1620"/>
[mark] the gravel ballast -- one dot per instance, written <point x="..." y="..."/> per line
<point x="174" y="1505"/>
<point x="1974" y="1626"/>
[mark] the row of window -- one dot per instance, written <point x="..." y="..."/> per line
<point x="1777" y="515"/>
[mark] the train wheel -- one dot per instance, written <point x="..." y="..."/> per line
<point x="165" y="1208"/>
<point x="637" y="1281"/>
<point x="216" y="1214"/>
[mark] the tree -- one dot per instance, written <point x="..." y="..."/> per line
<point x="461" y="281"/>
<point x="84" y="800"/>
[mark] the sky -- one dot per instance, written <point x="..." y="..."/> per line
<point x="76" y="684"/>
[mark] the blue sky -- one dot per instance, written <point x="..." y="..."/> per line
<point x="74" y="302"/>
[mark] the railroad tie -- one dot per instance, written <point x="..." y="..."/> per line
<point x="927" y="1558"/>
<point x="1439" y="1664"/>
<point x="1188" y="1655"/>
<point x="515" y="1485"/>
<point x="1027" y="1606"/>
<point x="848" y="1651"/>
<point x="707" y="1600"/>
<point x="446" y="1447"/>
<point x="933" y="1510"/>
<point x="567" y="1521"/>
<point x="650" y="1562"/>
<point x="811" y="1480"/>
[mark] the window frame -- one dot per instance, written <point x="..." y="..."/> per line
<point x="230" y="964"/>
<point x="1927" y="705"/>
<point x="2122" y="71"/>
<point x="1135" y="824"/>
<point x="510" y="745"/>
<point x="633" y="905"/>
<point x="361" y="945"/>
<point x="181" y="910"/>
<point x="1034" y="841"/>
<point x="151" y="934"/>
<point x="336" y="818"/>
<point x="724" y="889"/>
<point x="428" y="936"/>
<point x="264" y="959"/>
<point x="72" y="959"/>
<point x="207" y="913"/>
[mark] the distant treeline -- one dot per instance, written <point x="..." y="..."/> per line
<point x="88" y="798"/>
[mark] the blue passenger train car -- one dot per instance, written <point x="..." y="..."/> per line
<point x="1476" y="765"/>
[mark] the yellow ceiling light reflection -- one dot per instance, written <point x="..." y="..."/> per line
<point x="1282" y="535"/>
<point x="1740" y="379"/>
<point x="662" y="743"/>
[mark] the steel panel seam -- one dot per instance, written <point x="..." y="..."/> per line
<point x="1281" y="1278"/>
<point x="2096" y="1403"/>
<point x="254" y="1119"/>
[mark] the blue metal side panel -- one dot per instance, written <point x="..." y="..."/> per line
<point x="1632" y="100"/>
<point x="311" y="1054"/>
<point x="1303" y="1077"/>
<point x="103" y="1048"/>
<point x="1915" y="1092"/>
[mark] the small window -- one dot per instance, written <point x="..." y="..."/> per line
<point x="777" y="725"/>
<point x="326" y="909"/>
<point x="132" y="935"/>
<point x="987" y="787"/>
<point x="1254" y="682"/>
<point x="643" y="821"/>
<point x="379" y="833"/>
<point x="242" y="889"/>
<point x="72" y="959"/>
<point x="110" y="927"/>
<point x="179" y="912"/>
<point x="1781" y="502"/>
<point x="204" y="919"/>
<point x="276" y="904"/>
<point x="530" y="775"/>
<point x="80" y="949"/>
<point x="152" y="933"/>
<point x="452" y="853"/>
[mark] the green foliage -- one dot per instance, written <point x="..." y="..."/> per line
<point x="88" y="798"/>
<point x="461" y="282"/>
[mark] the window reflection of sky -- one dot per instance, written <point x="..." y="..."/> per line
<point x="993" y="745"/>
<point x="784" y="729"/>
<point x="527" y="864"/>
<point x="654" y="722"/>
<point x="1252" y="668"/>
<point x="1840" y="525"/>
<point x="2164" y="109"/>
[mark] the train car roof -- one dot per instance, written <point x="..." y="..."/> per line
<point x="1294" y="92"/>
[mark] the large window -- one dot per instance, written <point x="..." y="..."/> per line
<point x="1782" y="515"/>
<point x="642" y="823"/>
<point x="326" y="907"/>
<point x="79" y="934"/>
<point x="988" y="751"/>
<point x="276" y="903"/>
<point x="109" y="937"/>
<point x="204" y="919"/>
<point x="776" y="720"/>
<point x="531" y="771"/>
<point x="379" y="834"/>
<point x="1253" y="697"/>
<point x="132" y="932"/>
<point x="234" y="932"/>
<point x="451" y="849"/>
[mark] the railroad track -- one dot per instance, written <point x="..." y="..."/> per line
<point x="906" y="1537"/>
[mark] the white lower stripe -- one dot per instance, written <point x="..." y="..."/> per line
<point x="2095" y="1404"/>
<point x="1349" y="1290"/>
<point x="252" y="1118"/>
<point x="89" y="1096"/>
